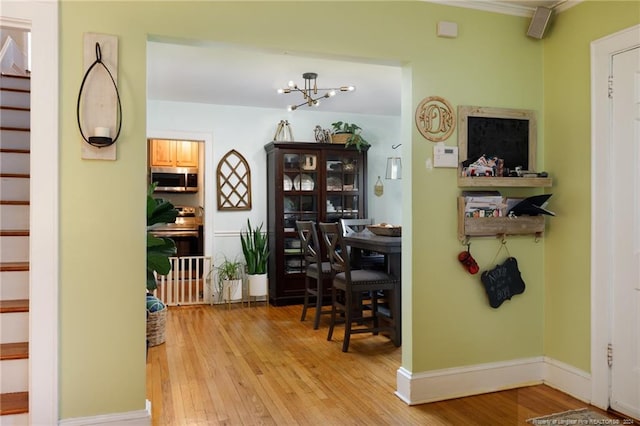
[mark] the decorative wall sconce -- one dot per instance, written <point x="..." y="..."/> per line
<point x="93" y="110"/>
<point x="378" y="188"/>
<point x="394" y="166"/>
<point x="310" y="93"/>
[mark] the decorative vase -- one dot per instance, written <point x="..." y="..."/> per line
<point x="258" y="285"/>
<point x="231" y="290"/>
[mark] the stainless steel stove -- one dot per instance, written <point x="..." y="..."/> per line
<point x="186" y="224"/>
<point x="185" y="232"/>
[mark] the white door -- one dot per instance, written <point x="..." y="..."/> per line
<point x="625" y="169"/>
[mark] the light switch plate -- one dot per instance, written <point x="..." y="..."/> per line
<point x="445" y="156"/>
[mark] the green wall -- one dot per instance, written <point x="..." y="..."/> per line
<point x="567" y="107"/>
<point x="491" y="63"/>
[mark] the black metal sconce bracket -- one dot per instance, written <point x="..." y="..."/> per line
<point x="99" y="141"/>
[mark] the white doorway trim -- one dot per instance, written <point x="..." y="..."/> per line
<point x="42" y="19"/>
<point x="602" y="51"/>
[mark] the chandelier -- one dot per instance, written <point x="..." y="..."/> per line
<point x="311" y="93"/>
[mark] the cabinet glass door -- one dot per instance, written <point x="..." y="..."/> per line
<point x="300" y="202"/>
<point x="342" y="186"/>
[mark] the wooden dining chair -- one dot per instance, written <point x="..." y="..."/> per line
<point x="349" y="284"/>
<point x="317" y="272"/>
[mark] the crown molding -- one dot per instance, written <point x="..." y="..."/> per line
<point x="512" y="8"/>
<point x="563" y="5"/>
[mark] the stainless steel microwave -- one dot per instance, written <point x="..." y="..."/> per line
<point x="175" y="179"/>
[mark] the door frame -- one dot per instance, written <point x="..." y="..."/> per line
<point x="42" y="19"/>
<point x="602" y="52"/>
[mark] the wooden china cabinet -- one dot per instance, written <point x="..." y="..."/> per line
<point x="307" y="181"/>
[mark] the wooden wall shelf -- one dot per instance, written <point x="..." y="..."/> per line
<point x="492" y="182"/>
<point x="495" y="226"/>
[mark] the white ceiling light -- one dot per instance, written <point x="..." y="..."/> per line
<point x="311" y="93"/>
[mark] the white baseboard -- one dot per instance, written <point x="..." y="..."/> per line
<point x="131" y="418"/>
<point x="567" y="379"/>
<point x="451" y="383"/>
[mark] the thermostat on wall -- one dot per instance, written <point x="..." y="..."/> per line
<point x="445" y="156"/>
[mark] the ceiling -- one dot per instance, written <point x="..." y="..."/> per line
<point x="233" y="75"/>
<point x="223" y="74"/>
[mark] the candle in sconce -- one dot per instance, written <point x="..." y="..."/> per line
<point x="103" y="132"/>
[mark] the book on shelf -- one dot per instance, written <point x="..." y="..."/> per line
<point x="483" y="204"/>
<point x="484" y="213"/>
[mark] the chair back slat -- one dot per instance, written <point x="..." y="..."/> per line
<point x="317" y="270"/>
<point x="309" y="241"/>
<point x="336" y="248"/>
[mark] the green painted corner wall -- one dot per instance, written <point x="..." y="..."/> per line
<point x="491" y="63"/>
<point x="567" y="106"/>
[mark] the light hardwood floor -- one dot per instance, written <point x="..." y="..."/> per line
<point x="262" y="365"/>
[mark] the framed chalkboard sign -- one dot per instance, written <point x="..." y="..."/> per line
<point x="510" y="134"/>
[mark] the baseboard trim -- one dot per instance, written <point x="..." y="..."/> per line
<point x="438" y="385"/>
<point x="131" y="418"/>
<point x="568" y="379"/>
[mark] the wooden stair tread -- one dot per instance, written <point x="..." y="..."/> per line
<point x="13" y="306"/>
<point x="11" y="75"/>
<point x="14" y="350"/>
<point x="12" y="108"/>
<point x="11" y="89"/>
<point x="15" y="175"/>
<point x="14" y="202"/>
<point x="14" y="233"/>
<point x="14" y="266"/>
<point x="14" y="151"/>
<point x="14" y="403"/>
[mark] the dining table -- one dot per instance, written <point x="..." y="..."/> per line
<point x="391" y="247"/>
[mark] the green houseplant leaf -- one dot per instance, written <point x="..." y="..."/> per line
<point x="226" y="273"/>
<point x="355" y="138"/>
<point x="159" y="249"/>
<point x="255" y="249"/>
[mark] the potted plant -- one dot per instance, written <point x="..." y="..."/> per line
<point x="256" y="253"/>
<point x="159" y="249"/>
<point x="350" y="134"/>
<point x="228" y="278"/>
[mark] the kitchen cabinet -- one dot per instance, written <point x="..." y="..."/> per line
<point x="307" y="181"/>
<point x="171" y="153"/>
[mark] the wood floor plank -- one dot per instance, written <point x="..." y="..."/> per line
<point x="262" y="365"/>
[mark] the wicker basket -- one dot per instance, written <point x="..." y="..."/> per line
<point x="340" y="138"/>
<point x="156" y="325"/>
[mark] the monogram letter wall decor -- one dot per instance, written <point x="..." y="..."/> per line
<point x="435" y="118"/>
